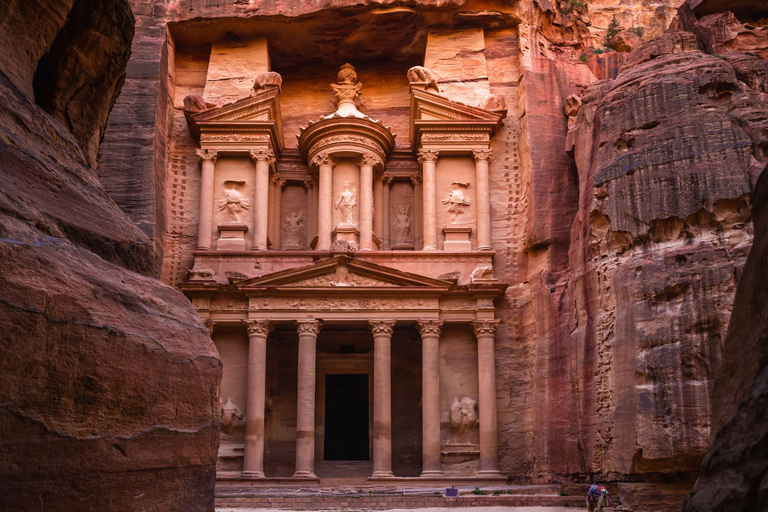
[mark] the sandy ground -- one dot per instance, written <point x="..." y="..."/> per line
<point x="441" y="509"/>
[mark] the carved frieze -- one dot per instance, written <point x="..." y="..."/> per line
<point x="233" y="137"/>
<point x="335" y="304"/>
<point x="454" y="137"/>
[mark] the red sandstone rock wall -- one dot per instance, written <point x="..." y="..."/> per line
<point x="109" y="379"/>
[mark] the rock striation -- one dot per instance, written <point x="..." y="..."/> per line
<point x="109" y="377"/>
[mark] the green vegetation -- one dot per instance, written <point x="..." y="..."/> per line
<point x="611" y="31"/>
<point x="598" y="51"/>
<point x="478" y="492"/>
<point x="638" y="31"/>
<point x="583" y="57"/>
<point x="576" y="4"/>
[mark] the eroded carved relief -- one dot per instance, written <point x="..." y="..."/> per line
<point x="423" y="76"/>
<point x="293" y="227"/>
<point x="482" y="273"/>
<point x="463" y="414"/>
<point x="347" y="204"/>
<point x="402" y="221"/>
<point x="200" y="273"/>
<point x="343" y="246"/>
<point x="233" y="202"/>
<point x="341" y="277"/>
<point x="232" y="418"/>
<point x="456" y="200"/>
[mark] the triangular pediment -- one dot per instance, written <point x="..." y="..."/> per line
<point x="343" y="272"/>
<point x="435" y="113"/>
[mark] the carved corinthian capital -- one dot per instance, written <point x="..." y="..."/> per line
<point x="323" y="159"/>
<point x="308" y="327"/>
<point x="381" y="327"/>
<point x="208" y="155"/>
<point x="263" y="155"/>
<point x="258" y="328"/>
<point x="428" y="155"/>
<point x="482" y="154"/>
<point x="371" y="160"/>
<point x="430" y="327"/>
<point x="485" y="328"/>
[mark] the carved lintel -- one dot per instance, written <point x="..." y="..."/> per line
<point x="258" y="328"/>
<point x="382" y="327"/>
<point x="428" y="155"/>
<point x="323" y="159"/>
<point x="482" y="155"/>
<point x="263" y="155"/>
<point x="208" y="155"/>
<point x="485" y="328"/>
<point x="430" y="327"/>
<point x="309" y="327"/>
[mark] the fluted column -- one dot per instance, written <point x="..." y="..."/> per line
<point x="485" y="332"/>
<point x="208" y="159"/>
<point x="385" y="217"/>
<point x="483" y="187"/>
<point x="305" y="406"/>
<point x="253" y="461"/>
<point x="428" y="160"/>
<point x="325" y="201"/>
<point x="366" y="202"/>
<point x="430" y="397"/>
<point x="418" y="213"/>
<point x="263" y="158"/>
<point x="277" y="214"/>
<point x="382" y="397"/>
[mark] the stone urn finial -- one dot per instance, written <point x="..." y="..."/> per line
<point x="347" y="92"/>
<point x="347" y="74"/>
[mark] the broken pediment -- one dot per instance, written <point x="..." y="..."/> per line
<point x="343" y="272"/>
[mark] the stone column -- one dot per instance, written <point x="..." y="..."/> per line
<point x="428" y="160"/>
<point x="366" y="202"/>
<point x="385" y="211"/>
<point x="311" y="207"/>
<point x="277" y="214"/>
<point x="305" y="406"/>
<point x="378" y="211"/>
<point x="325" y="201"/>
<point x="264" y="158"/>
<point x="208" y="159"/>
<point x="253" y="461"/>
<point x="382" y="397"/>
<point x="485" y="332"/>
<point x="483" y="187"/>
<point x="418" y="211"/>
<point x="430" y="397"/>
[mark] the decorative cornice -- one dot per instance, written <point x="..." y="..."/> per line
<point x="308" y="327"/>
<point x="428" y="155"/>
<point x="430" y="327"/>
<point x="482" y="154"/>
<point x="382" y="327"/>
<point x="208" y="155"/>
<point x="263" y="155"/>
<point x="485" y="328"/>
<point x="258" y="328"/>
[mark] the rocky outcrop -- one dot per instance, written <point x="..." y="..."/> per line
<point x="109" y="377"/>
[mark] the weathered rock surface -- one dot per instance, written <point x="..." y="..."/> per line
<point x="109" y="386"/>
<point x="625" y="41"/>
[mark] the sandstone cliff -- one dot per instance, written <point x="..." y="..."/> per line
<point x="108" y="396"/>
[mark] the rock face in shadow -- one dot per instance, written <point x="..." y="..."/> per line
<point x="110" y="380"/>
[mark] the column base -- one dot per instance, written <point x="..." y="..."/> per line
<point x="429" y="248"/>
<point x="310" y="475"/>
<point x="382" y="474"/>
<point x="489" y="473"/>
<point x="252" y="474"/>
<point x="258" y="248"/>
<point x="432" y="473"/>
<point x="485" y="248"/>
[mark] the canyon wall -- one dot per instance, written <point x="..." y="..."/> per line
<point x="110" y="379"/>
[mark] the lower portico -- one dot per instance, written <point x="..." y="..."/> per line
<point x="350" y="317"/>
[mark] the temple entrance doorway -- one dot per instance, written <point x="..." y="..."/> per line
<point x="346" y="417"/>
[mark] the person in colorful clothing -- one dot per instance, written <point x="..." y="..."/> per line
<point x="597" y="498"/>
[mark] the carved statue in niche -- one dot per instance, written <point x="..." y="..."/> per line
<point x="233" y="202"/>
<point x="402" y="221"/>
<point x="456" y="200"/>
<point x="346" y="205"/>
<point x="232" y="419"/>
<point x="463" y="414"/>
<point x="293" y="225"/>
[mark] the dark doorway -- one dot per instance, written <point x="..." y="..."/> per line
<point x="346" y="417"/>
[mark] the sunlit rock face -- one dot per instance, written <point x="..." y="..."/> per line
<point x="109" y="376"/>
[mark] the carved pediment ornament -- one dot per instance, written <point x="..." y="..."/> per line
<point x="382" y="327"/>
<point x="308" y="327"/>
<point x="482" y="154"/>
<point x="258" y="328"/>
<point x="485" y="328"/>
<point x="430" y="327"/>
<point x="208" y="155"/>
<point x="428" y="155"/>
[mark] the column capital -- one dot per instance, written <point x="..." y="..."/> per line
<point x="368" y="159"/>
<point x="381" y="327"/>
<point x="262" y="155"/>
<point x="208" y="155"/>
<point x="258" y="328"/>
<point x="428" y="155"/>
<point x="323" y="159"/>
<point x="485" y="328"/>
<point x="308" y="183"/>
<point x="429" y="327"/>
<point x="277" y="181"/>
<point x="416" y="180"/>
<point x="308" y="327"/>
<point x="482" y="155"/>
<point x="209" y="324"/>
<point x="387" y="179"/>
